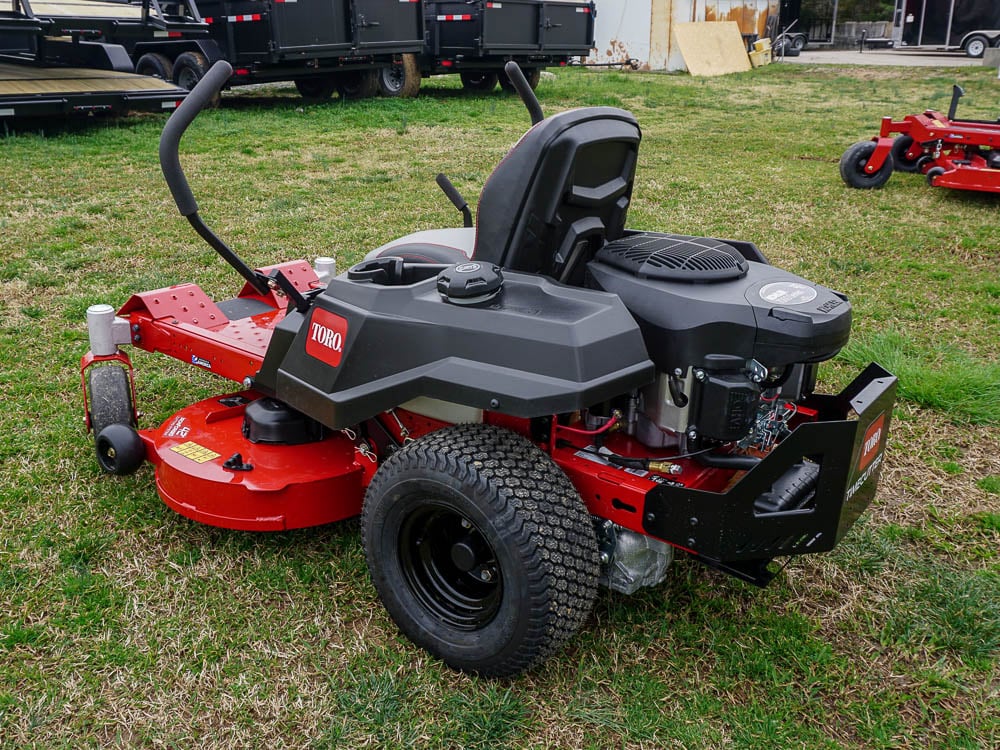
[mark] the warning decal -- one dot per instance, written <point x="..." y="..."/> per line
<point x="197" y="453"/>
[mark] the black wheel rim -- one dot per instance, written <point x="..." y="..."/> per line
<point x="392" y="78"/>
<point x="450" y="567"/>
<point x="187" y="79"/>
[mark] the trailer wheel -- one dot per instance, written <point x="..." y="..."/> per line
<point x="900" y="146"/>
<point x="852" y="167"/>
<point x="357" y="84"/>
<point x="975" y="45"/>
<point x="532" y="75"/>
<point x="799" y="42"/>
<point x="156" y="65"/>
<point x="119" y="449"/>
<point x="189" y="68"/>
<point x="110" y="397"/>
<point x="400" y="79"/>
<point x="479" y="82"/>
<point x="480" y="549"/>
<point x="315" y="88"/>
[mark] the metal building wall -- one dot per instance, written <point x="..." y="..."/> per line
<point x="641" y="29"/>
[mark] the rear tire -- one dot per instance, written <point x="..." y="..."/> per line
<point x="357" y="84"/>
<point x="156" y="65"/>
<point x="532" y="75"/>
<point x="480" y="549"/>
<point x="400" y="80"/>
<point x="852" y="167"/>
<point x="316" y="89"/>
<point x="189" y="68"/>
<point x="481" y="83"/>
<point x="976" y="45"/>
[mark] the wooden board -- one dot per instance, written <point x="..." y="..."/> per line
<point x="26" y="80"/>
<point x="86" y="9"/>
<point x="712" y="49"/>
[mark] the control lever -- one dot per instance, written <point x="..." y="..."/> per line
<point x="455" y="197"/>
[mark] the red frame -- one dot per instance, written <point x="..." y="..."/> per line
<point x="953" y="146"/>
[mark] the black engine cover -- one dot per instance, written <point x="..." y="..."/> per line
<point x="764" y="313"/>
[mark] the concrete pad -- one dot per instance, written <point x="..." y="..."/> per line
<point x="900" y="57"/>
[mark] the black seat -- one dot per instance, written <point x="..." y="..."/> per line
<point x="560" y="193"/>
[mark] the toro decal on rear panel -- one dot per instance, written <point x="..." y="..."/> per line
<point x="872" y="449"/>
<point x="327" y="333"/>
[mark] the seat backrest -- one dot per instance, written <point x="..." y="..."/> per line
<point x="560" y="193"/>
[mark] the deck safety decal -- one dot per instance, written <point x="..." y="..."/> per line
<point x="197" y="453"/>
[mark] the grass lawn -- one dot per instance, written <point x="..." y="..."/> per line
<point x="124" y="624"/>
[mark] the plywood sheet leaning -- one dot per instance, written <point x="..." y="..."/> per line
<point x="712" y="49"/>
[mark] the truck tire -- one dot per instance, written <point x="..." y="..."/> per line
<point x="975" y="45"/>
<point x="852" y="167"/>
<point x="479" y="82"/>
<point x="316" y="88"/>
<point x="156" y="65"/>
<point x="480" y="549"/>
<point x="357" y="84"/>
<point x="532" y="75"/>
<point x="189" y="68"/>
<point x="400" y="80"/>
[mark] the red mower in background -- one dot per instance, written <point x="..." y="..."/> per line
<point x="960" y="154"/>
<point x="520" y="410"/>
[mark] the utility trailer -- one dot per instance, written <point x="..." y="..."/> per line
<point x="322" y="46"/>
<point x="477" y="38"/>
<point x="41" y="76"/>
<point x="167" y="40"/>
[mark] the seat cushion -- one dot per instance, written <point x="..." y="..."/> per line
<point x="452" y="245"/>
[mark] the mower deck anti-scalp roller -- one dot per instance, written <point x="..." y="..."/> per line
<point x="521" y="410"/>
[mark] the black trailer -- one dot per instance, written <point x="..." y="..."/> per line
<point x="968" y="25"/>
<point x="476" y="38"/>
<point x="45" y="76"/>
<point x="167" y="40"/>
<point x="322" y="46"/>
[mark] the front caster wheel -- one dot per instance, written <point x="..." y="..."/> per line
<point x="480" y="549"/>
<point x="119" y="449"/>
<point x="852" y="167"/>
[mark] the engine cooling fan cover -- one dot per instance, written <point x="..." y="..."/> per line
<point x="675" y="257"/>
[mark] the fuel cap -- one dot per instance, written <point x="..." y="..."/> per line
<point x="470" y="283"/>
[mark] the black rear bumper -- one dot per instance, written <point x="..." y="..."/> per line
<point x="847" y="442"/>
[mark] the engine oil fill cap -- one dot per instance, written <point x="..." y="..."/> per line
<point x="470" y="282"/>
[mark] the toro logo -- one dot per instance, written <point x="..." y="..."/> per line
<point x="326" y="337"/>
<point x="872" y="442"/>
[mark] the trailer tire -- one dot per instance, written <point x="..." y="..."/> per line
<point x="900" y="146"/>
<point x="110" y="397"/>
<point x="799" y="42"/>
<point x="357" y="84"/>
<point x="975" y="45"/>
<point x="531" y="75"/>
<point x="400" y="80"/>
<point x="316" y="88"/>
<point x="156" y="65"/>
<point x="480" y="549"/>
<point x="852" y="167"/>
<point x="189" y="68"/>
<point x="482" y="83"/>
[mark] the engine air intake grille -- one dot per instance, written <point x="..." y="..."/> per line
<point x="675" y="257"/>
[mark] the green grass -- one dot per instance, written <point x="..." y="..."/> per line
<point x="123" y="624"/>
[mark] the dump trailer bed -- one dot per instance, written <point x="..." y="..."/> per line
<point x="35" y="90"/>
